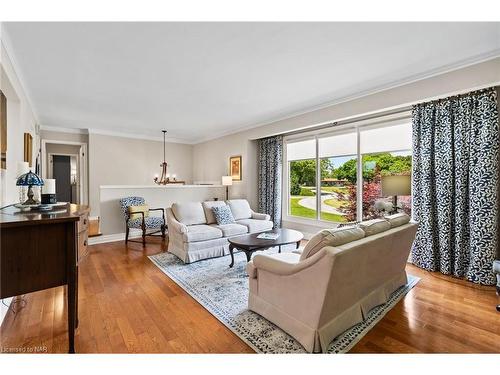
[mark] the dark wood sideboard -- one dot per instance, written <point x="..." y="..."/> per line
<point x="42" y="250"/>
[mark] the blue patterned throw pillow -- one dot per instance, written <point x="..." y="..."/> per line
<point x="223" y="215"/>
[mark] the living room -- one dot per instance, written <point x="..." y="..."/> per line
<point x="250" y="187"/>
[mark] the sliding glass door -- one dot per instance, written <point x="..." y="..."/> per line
<point x="386" y="152"/>
<point x="301" y="157"/>
<point x="338" y="176"/>
<point x="338" y="161"/>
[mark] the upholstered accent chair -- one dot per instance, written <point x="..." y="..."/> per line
<point x="136" y="214"/>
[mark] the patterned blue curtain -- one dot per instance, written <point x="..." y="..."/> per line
<point x="455" y="185"/>
<point x="270" y="168"/>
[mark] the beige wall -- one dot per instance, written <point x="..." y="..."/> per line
<point x="20" y="120"/>
<point x="127" y="161"/>
<point x="210" y="158"/>
<point x="211" y="162"/>
<point x="64" y="136"/>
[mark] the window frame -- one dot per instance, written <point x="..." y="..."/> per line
<point x="354" y="127"/>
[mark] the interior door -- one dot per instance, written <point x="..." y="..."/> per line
<point x="61" y="171"/>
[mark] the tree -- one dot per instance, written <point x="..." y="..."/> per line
<point x="346" y="171"/>
<point x="304" y="171"/>
<point x="371" y="192"/>
<point x="294" y="185"/>
<point x="373" y="165"/>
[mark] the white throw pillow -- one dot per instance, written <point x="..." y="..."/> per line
<point x="331" y="237"/>
<point x="374" y="226"/>
<point x="397" y="220"/>
<point x="207" y="207"/>
<point x="240" y="208"/>
<point x="189" y="213"/>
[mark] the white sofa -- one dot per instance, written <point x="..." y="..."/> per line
<point x="336" y="280"/>
<point x="193" y="233"/>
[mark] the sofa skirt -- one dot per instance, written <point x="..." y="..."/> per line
<point x="317" y="339"/>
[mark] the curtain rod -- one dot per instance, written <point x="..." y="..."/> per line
<point x="348" y="121"/>
<point x="403" y="109"/>
<point x="478" y="91"/>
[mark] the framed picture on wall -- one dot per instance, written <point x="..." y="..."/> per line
<point x="235" y="168"/>
<point x="28" y="148"/>
<point x="3" y="131"/>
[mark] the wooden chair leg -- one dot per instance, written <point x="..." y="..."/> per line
<point x="163" y="232"/>
<point x="126" y="234"/>
<point x="144" y="235"/>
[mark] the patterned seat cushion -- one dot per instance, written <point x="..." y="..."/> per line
<point x="152" y="222"/>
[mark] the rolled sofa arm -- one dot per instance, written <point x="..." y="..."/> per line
<point x="284" y="263"/>
<point x="259" y="216"/>
<point x="173" y="224"/>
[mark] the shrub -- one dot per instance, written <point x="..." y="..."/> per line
<point x="307" y="192"/>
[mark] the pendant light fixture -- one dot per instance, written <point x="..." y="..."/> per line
<point x="164" y="178"/>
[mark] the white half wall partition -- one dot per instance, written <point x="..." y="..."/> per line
<point x="112" y="221"/>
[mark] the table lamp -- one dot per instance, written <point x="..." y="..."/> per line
<point x="49" y="191"/>
<point x="227" y="181"/>
<point x="394" y="185"/>
<point x="29" y="179"/>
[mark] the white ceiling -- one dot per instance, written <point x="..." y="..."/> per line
<point x="203" y="80"/>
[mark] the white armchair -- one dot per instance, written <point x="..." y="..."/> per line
<point x="316" y="295"/>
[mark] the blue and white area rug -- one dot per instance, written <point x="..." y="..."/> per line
<point x="223" y="291"/>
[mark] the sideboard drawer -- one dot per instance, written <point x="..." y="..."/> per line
<point x="83" y="223"/>
<point x="82" y="244"/>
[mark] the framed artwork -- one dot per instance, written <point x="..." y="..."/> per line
<point x="28" y="148"/>
<point x="235" y="169"/>
<point x="3" y="131"/>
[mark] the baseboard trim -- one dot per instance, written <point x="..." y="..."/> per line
<point x="105" y="238"/>
<point x="112" y="238"/>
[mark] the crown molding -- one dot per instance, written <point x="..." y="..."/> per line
<point x="61" y="129"/>
<point x="146" y="137"/>
<point x="394" y="84"/>
<point x="111" y="133"/>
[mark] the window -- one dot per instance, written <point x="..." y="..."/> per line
<point x="301" y="158"/>
<point x="331" y="162"/>
<point x="338" y="163"/>
<point x="386" y="152"/>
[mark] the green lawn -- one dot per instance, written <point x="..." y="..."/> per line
<point x="307" y="192"/>
<point x="298" y="210"/>
<point x="335" y="203"/>
<point x="336" y="189"/>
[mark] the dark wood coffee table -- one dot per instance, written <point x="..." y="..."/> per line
<point x="249" y="243"/>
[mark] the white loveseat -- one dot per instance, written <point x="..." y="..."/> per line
<point x="336" y="280"/>
<point x="193" y="233"/>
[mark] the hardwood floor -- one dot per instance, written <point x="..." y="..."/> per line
<point x="127" y="305"/>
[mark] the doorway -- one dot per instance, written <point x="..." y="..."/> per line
<point x="66" y="162"/>
<point x="64" y="171"/>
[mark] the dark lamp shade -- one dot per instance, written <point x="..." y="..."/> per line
<point x="29" y="179"/>
<point x="396" y="185"/>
